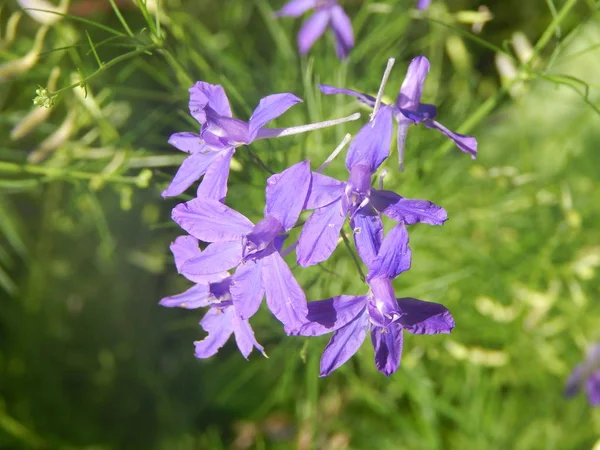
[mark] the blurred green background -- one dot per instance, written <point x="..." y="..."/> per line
<point x="88" y="360"/>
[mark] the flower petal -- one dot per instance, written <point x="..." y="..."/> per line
<point x="323" y="191"/>
<point x="363" y="98"/>
<point x="214" y="183"/>
<point x="412" y="86"/>
<point x="211" y="221"/>
<point x="344" y="343"/>
<point x="342" y="31"/>
<point x="320" y="234"/>
<point x="592" y="388"/>
<point x="295" y="8"/>
<point x="215" y="258"/>
<point x="409" y="211"/>
<point x="244" y="337"/>
<point x="195" y="297"/>
<point x="368" y="234"/>
<point x="203" y="94"/>
<point x="371" y="145"/>
<point x="191" y="169"/>
<point x="467" y="144"/>
<point x="424" y="317"/>
<point x="423" y="4"/>
<point x="269" y="108"/>
<point x="394" y="256"/>
<point x="325" y="316"/>
<point x="285" y="297"/>
<point x="218" y="324"/>
<point x="247" y="290"/>
<point x="187" y="142"/>
<point x="312" y="29"/>
<point x="387" y="343"/>
<point x="575" y="380"/>
<point x="185" y="248"/>
<point x="286" y="194"/>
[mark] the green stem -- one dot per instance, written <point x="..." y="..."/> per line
<point x="551" y="30"/>
<point x="105" y="66"/>
<point x="353" y="255"/>
<point x="57" y="172"/>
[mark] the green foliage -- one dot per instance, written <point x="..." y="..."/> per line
<point x="89" y="361"/>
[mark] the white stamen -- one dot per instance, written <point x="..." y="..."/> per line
<point x="384" y="80"/>
<point x="381" y="177"/>
<point x="336" y="152"/>
<point x="266" y="133"/>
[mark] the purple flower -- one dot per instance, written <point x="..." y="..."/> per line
<point x="334" y="200"/>
<point x="213" y="291"/>
<point x="253" y="249"/>
<point x="327" y="14"/>
<point x="423" y="4"/>
<point x="379" y="312"/>
<point x="587" y="376"/>
<point x="409" y="109"/>
<point x="211" y="150"/>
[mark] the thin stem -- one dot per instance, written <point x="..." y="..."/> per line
<point x="266" y="133"/>
<point x="259" y="161"/>
<point x="384" y="80"/>
<point x="62" y="173"/>
<point x="554" y="25"/>
<point x="105" y="66"/>
<point x="336" y="152"/>
<point x="353" y="255"/>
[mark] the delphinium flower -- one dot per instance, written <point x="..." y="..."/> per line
<point x="212" y="149"/>
<point x="379" y="312"/>
<point x="328" y="14"/>
<point x="587" y="376"/>
<point x="423" y="4"/>
<point x="213" y="291"/>
<point x="236" y="242"/>
<point x="408" y="108"/>
<point x="334" y="200"/>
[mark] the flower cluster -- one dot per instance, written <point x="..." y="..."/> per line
<point x="243" y="262"/>
<point x="328" y="15"/>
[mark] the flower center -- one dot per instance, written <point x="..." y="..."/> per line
<point x="358" y="188"/>
<point x="261" y="238"/>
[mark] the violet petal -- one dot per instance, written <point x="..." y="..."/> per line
<point x="285" y="297"/>
<point x="286" y="194"/>
<point x="394" y="256"/>
<point x="467" y="144"/>
<point x="342" y="31"/>
<point x="371" y="145"/>
<point x="214" y="183"/>
<point x="425" y="317"/>
<point x="219" y="326"/>
<point x="344" y="343"/>
<point x="244" y="336"/>
<point x="247" y="289"/>
<point x="320" y="234"/>
<point x="368" y="234"/>
<point x="387" y="343"/>
<point x="325" y="316"/>
<point x="269" y="108"/>
<point x="215" y="258"/>
<point x="191" y="169"/>
<point x="312" y="29"/>
<point x="210" y="220"/>
<point x="195" y="297"/>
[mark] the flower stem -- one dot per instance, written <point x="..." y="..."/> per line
<point x="353" y="255"/>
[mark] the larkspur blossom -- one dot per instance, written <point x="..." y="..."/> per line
<point x="408" y="108"/>
<point x="379" y="312"/>
<point x="587" y="376"/>
<point x="334" y="200"/>
<point x="236" y="242"/>
<point x="423" y="4"/>
<point x="328" y="14"/>
<point x="212" y="149"/>
<point x="213" y="291"/>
